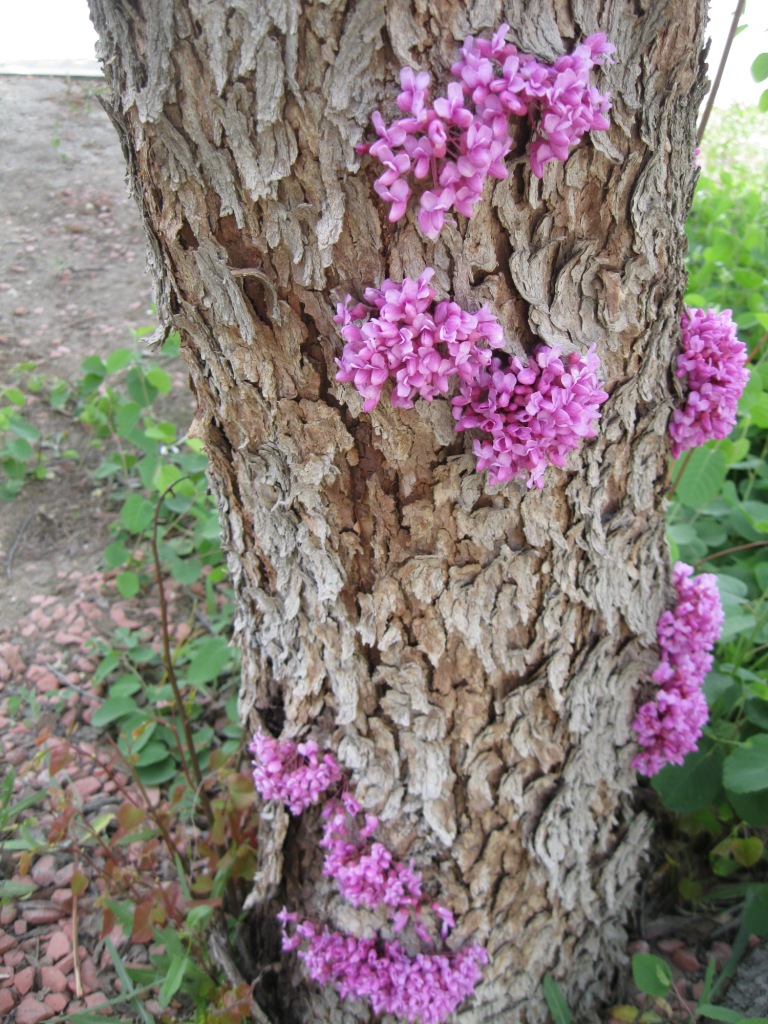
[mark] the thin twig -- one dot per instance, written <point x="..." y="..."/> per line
<point x="168" y="663"/>
<point x="731" y="551"/>
<point x="78" y="689"/>
<point x="16" y="541"/>
<point x="678" y="478"/>
<point x="718" y="77"/>
<point x="75" y="956"/>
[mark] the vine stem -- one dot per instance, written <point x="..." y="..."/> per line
<point x="680" y="472"/>
<point x="168" y="664"/>
<point x="731" y="551"/>
<point x="718" y="77"/>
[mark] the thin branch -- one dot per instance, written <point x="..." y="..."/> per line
<point x="679" y="476"/>
<point x="718" y="77"/>
<point x="731" y="551"/>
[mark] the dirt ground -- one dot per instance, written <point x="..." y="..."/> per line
<point x="72" y="283"/>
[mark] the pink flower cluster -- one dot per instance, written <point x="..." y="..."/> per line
<point x="367" y="873"/>
<point x="714" y="362"/>
<point x="291" y="773"/>
<point x="534" y="414"/>
<point x="426" y="987"/>
<point x="460" y="140"/>
<point x="669" y="727"/>
<point x="418" y="343"/>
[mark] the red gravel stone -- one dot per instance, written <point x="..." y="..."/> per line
<point x="670" y="945"/>
<point x="8" y="914"/>
<point x="44" y="914"/>
<point x="44" y="870"/>
<point x="95" y="999"/>
<point x="57" y="1001"/>
<point x="686" y="960"/>
<point x="53" y="979"/>
<point x="62" y="898"/>
<point x="30" y="1011"/>
<point x="58" y="946"/>
<point x="86" y="787"/>
<point x="24" y="980"/>
<point x="64" y="875"/>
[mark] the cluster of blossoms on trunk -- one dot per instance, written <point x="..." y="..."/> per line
<point x="461" y="139"/>
<point x="426" y="986"/>
<point x="529" y="415"/>
<point x="670" y="726"/>
<point x="713" y="363"/>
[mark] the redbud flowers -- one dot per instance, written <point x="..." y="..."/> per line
<point x="531" y="415"/>
<point x="669" y="726"/>
<point x="462" y="139"/>
<point x="713" y="361"/>
<point x="426" y="987"/>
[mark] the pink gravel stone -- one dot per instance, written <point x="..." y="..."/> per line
<point x="43" y="915"/>
<point x="62" y="898"/>
<point x="670" y="945"/>
<point x="14" y="957"/>
<point x="58" y="946"/>
<point x="19" y="927"/>
<point x="24" y="980"/>
<point x="89" y="975"/>
<point x="86" y="787"/>
<point x="685" y="960"/>
<point x="29" y="1011"/>
<point x="6" y="942"/>
<point x="64" y="875"/>
<point x="44" y="870"/>
<point x="57" y="1001"/>
<point x="6" y="1001"/>
<point x="52" y="978"/>
<point x="8" y="914"/>
<point x="95" y="999"/>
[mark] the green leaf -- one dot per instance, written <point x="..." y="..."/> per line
<point x="759" y="412"/>
<point x="762" y="103"/>
<point x="210" y="659"/>
<point x="15" y="396"/>
<point x="21" y="428"/>
<point x="555" y="1001"/>
<point x="159" y="379"/>
<point x="173" y="979"/>
<point x="720" y="1013"/>
<point x="126" y="417"/>
<point x="651" y="974"/>
<point x="112" y="709"/>
<point x="746" y="768"/>
<point x="128" y="584"/>
<point x="694" y="784"/>
<point x="156" y="774"/>
<point x="760" y="67"/>
<point x="115" y="554"/>
<point x="15" y="890"/>
<point x="119" y="359"/>
<point x="703" y="477"/>
<point x="137" y="513"/>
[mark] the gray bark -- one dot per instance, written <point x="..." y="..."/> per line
<point x="473" y="657"/>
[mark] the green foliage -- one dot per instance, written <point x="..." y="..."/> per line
<point x="718" y="519"/>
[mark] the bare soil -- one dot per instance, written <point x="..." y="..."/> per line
<point x="72" y="284"/>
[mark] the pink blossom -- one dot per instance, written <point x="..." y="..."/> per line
<point x="670" y="726"/>
<point x="535" y="414"/>
<point x="462" y="139"/>
<point x="427" y="987"/>
<point x="291" y="773"/>
<point x="409" y="339"/>
<point x="713" y="361"/>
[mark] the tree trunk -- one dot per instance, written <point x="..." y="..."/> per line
<point x="473" y="656"/>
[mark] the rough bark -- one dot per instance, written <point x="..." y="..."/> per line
<point x="473" y="656"/>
